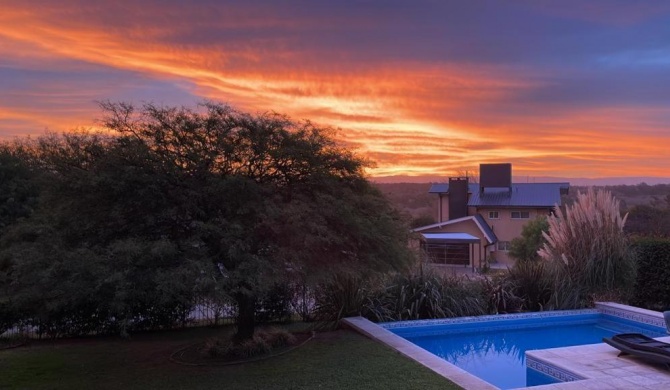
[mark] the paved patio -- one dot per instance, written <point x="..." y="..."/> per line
<point x="602" y="367"/>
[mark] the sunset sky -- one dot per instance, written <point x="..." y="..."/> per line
<point x="423" y="88"/>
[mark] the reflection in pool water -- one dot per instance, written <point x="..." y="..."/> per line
<point x="495" y="352"/>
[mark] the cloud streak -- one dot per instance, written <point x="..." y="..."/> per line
<point x="425" y="89"/>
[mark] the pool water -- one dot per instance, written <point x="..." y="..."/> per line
<point x="495" y="351"/>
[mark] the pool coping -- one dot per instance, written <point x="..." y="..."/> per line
<point x="418" y="354"/>
<point x="546" y="361"/>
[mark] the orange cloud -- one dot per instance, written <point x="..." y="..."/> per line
<point x="412" y="117"/>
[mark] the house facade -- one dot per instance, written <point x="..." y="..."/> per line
<point x="483" y="218"/>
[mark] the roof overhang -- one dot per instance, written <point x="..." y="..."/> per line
<point x="450" y="238"/>
<point x="477" y="219"/>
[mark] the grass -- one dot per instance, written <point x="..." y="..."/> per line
<point x="332" y="360"/>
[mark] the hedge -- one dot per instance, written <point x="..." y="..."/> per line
<point x="652" y="288"/>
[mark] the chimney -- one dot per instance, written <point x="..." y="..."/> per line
<point x="458" y="197"/>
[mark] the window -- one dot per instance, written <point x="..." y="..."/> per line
<point x="520" y="214"/>
<point x="504" y="245"/>
<point x="493" y="215"/>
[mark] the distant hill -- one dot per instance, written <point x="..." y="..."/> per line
<point x="412" y="199"/>
<point x="602" y="181"/>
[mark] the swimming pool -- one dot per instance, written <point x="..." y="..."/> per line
<point x="493" y="347"/>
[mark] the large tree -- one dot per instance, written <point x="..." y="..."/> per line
<point x="259" y="198"/>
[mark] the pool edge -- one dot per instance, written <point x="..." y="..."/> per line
<point x="418" y="354"/>
<point x="471" y="382"/>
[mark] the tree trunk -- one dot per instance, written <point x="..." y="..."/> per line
<point x="246" y="322"/>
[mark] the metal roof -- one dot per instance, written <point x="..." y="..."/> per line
<point x="443" y="188"/>
<point x="522" y="194"/>
<point x="477" y="219"/>
<point x="485" y="228"/>
<point x="453" y="238"/>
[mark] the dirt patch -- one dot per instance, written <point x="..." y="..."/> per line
<point x="192" y="355"/>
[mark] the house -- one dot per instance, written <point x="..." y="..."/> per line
<point x="477" y="221"/>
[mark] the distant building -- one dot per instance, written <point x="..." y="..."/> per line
<point x="478" y="221"/>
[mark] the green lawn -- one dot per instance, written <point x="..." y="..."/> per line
<point x="332" y="360"/>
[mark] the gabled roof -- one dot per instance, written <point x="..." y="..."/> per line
<point x="521" y="195"/>
<point x="488" y="232"/>
<point x="477" y="219"/>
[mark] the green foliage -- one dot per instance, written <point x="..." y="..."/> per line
<point x="500" y="296"/>
<point x="18" y="188"/>
<point x="263" y="342"/>
<point x="427" y="295"/>
<point x="277" y="337"/>
<point x="275" y="304"/>
<point x="587" y="248"/>
<point x="532" y="283"/>
<point x="183" y="203"/>
<point x="652" y="289"/>
<point x="422" y="220"/>
<point x="649" y="221"/>
<point x="252" y="347"/>
<point x="403" y="296"/>
<point x="568" y="294"/>
<point x="524" y="248"/>
<point x="216" y="347"/>
<point x="127" y="286"/>
<point x="343" y="295"/>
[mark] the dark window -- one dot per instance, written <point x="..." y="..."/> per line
<point x="520" y="214"/>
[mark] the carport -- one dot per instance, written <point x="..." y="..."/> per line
<point x="450" y="248"/>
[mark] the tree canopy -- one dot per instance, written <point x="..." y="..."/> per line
<point x="176" y="201"/>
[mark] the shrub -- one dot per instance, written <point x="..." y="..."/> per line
<point x="499" y="292"/>
<point x="425" y="296"/>
<point x="532" y="283"/>
<point x="277" y="337"/>
<point x="652" y="289"/>
<point x="568" y="294"/>
<point x="263" y="342"/>
<point x="344" y="295"/>
<point x="252" y="347"/>
<point x="217" y="348"/>
<point x="587" y="249"/>
<point x="524" y="248"/>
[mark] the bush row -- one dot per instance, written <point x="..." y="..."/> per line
<point x="652" y="289"/>
<point x="529" y="286"/>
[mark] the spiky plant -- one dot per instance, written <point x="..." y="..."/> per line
<point x="587" y="245"/>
